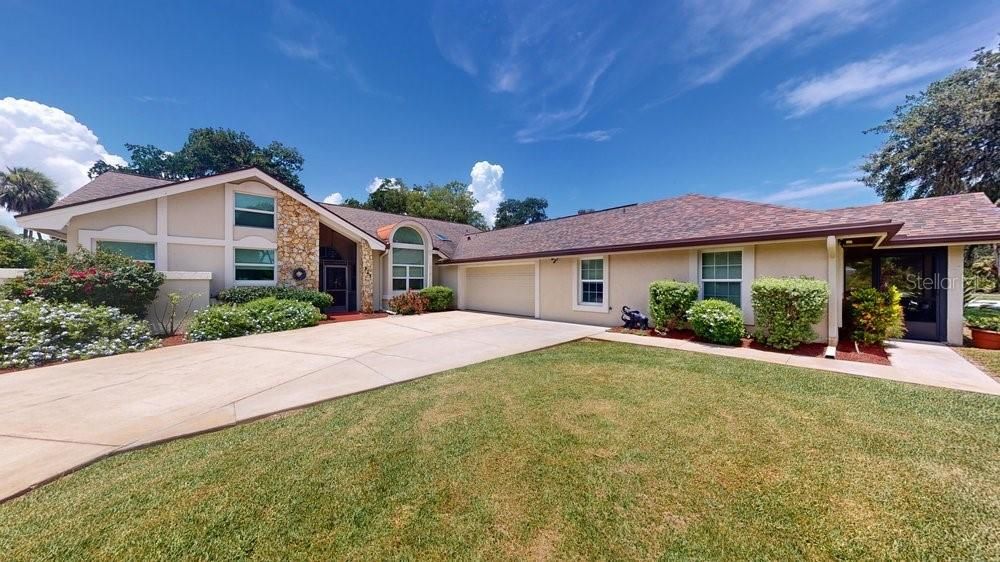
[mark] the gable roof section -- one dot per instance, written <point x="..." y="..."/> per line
<point x="953" y="218"/>
<point x="446" y="235"/>
<point x="109" y="184"/>
<point x="688" y="220"/>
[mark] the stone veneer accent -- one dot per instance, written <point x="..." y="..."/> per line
<point x="298" y="242"/>
<point x="366" y="260"/>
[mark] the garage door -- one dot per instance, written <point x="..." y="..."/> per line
<point x="507" y="289"/>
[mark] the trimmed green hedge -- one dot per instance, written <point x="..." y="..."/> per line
<point x="439" y="298"/>
<point x="19" y="252"/>
<point x="876" y="315"/>
<point x="255" y="317"/>
<point x="785" y="310"/>
<point x="717" y="321"/>
<point x="35" y="332"/>
<point x="669" y="302"/>
<point x="240" y="295"/>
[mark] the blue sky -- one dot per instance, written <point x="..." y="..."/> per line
<point x="583" y="103"/>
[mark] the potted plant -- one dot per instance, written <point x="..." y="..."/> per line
<point x="985" y="326"/>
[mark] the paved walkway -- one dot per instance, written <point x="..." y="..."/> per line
<point x="914" y="362"/>
<point x="55" y="419"/>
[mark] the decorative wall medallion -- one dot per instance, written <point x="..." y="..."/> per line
<point x="299" y="274"/>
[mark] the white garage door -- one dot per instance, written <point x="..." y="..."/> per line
<point x="507" y="289"/>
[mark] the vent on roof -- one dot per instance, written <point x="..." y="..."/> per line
<point x="441" y="237"/>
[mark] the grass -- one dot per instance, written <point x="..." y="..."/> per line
<point x="987" y="359"/>
<point x="586" y="450"/>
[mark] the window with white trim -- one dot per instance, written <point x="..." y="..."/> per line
<point x="722" y="275"/>
<point x="139" y="251"/>
<point x="253" y="210"/>
<point x="408" y="268"/>
<point x="591" y="282"/>
<point x="254" y="266"/>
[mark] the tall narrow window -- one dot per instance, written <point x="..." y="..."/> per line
<point x="591" y="282"/>
<point x="254" y="210"/>
<point x="254" y="265"/>
<point x="139" y="251"/>
<point x="408" y="271"/>
<point x="722" y="275"/>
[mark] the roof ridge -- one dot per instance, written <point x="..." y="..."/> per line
<point x="137" y="175"/>
<point x="901" y="201"/>
<point x="564" y="217"/>
<point x="341" y="206"/>
<point x="760" y="203"/>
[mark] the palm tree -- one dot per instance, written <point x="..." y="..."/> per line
<point x="23" y="190"/>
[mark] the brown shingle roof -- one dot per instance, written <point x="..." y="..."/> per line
<point x="110" y="184"/>
<point x="371" y="221"/>
<point x="685" y="220"/>
<point x="969" y="216"/>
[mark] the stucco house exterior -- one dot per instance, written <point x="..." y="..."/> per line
<point x="246" y="228"/>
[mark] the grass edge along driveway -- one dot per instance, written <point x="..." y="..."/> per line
<point x="588" y="449"/>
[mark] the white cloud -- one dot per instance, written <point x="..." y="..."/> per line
<point x="487" y="188"/>
<point x="49" y="140"/>
<point x="334" y="198"/>
<point x="799" y="190"/>
<point x="885" y="78"/>
<point x="393" y="183"/>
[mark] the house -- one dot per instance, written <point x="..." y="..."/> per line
<point x="246" y="228"/>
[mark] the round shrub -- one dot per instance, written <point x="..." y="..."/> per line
<point x="785" y="310"/>
<point x="669" y="302"/>
<point x="439" y="298"/>
<point x="18" y="252"/>
<point x="255" y="317"/>
<point x="34" y="332"/>
<point x="876" y="315"/>
<point x="410" y="302"/>
<point x="240" y="295"/>
<point x="717" y="321"/>
<point x="983" y="319"/>
<point x="97" y="279"/>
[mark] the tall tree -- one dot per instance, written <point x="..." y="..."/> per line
<point x="515" y="212"/>
<point x="23" y="190"/>
<point x="945" y="140"/>
<point x="450" y="202"/>
<point x="209" y="151"/>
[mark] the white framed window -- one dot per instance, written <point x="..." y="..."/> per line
<point x="256" y="211"/>
<point x="591" y="284"/>
<point x="254" y="267"/>
<point x="139" y="251"/>
<point x="722" y="276"/>
<point x="409" y="271"/>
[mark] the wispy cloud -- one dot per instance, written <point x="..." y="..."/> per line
<point x="827" y="188"/>
<point x="887" y="77"/>
<point x="168" y="100"/>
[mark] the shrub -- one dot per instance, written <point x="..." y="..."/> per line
<point x="255" y="317"/>
<point x="410" y="302"/>
<point x="240" y="295"/>
<point x="876" y="315"/>
<point x="669" y="302"/>
<point x="439" y="298"/>
<point x="20" y="252"/>
<point x="97" y="279"/>
<point x="983" y="319"/>
<point x="35" y="332"/>
<point x="717" y="321"/>
<point x="785" y="310"/>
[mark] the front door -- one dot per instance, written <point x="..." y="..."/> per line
<point x="337" y="283"/>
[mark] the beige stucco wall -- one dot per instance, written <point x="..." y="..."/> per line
<point x="195" y="295"/>
<point x="446" y="275"/>
<point x="198" y="214"/>
<point x="138" y="215"/>
<point x="191" y="257"/>
<point x="794" y="259"/>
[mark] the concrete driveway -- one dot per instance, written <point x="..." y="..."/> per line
<point x="55" y="419"/>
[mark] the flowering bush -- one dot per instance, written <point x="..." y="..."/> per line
<point x="876" y="315"/>
<point x="255" y="317"/>
<point x="97" y="279"/>
<point x="439" y="298"/>
<point x="785" y="310"/>
<point x="36" y="332"/>
<point x="240" y="295"/>
<point x="410" y="302"/>
<point x="669" y="302"/>
<point x="717" y="321"/>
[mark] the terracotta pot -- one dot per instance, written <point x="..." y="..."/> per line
<point x="985" y="339"/>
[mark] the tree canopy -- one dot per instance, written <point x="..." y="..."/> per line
<point x="515" y="212"/>
<point x="449" y="202"/>
<point x="210" y="151"/>
<point x="944" y="141"/>
<point x="23" y="190"/>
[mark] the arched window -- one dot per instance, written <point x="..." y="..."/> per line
<point x="408" y="271"/>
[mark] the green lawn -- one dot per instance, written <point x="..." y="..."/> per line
<point x="987" y="359"/>
<point x="586" y="450"/>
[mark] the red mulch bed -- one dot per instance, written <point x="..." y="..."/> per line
<point x="350" y="316"/>
<point x="845" y="348"/>
<point x="171" y="341"/>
